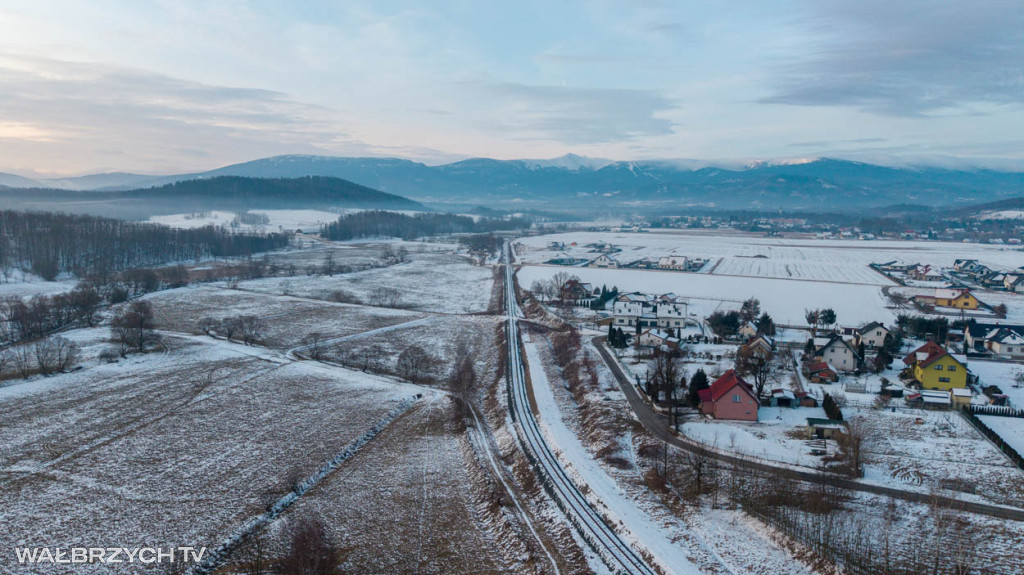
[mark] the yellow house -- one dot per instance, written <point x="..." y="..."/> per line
<point x="957" y="298"/>
<point x="934" y="368"/>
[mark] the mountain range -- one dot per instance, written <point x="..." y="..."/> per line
<point x="577" y="181"/>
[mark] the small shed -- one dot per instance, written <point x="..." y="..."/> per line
<point x="806" y="399"/>
<point x="930" y="399"/>
<point x="825" y="428"/>
<point x="822" y="372"/>
<point x="961" y="397"/>
<point x="783" y="398"/>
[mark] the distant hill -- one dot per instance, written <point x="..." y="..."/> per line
<point x="16" y="181"/>
<point x="216" y="193"/>
<point x="573" y="182"/>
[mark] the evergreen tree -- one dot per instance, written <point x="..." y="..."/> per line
<point x="698" y="382"/>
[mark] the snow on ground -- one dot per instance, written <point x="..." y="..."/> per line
<point x="641" y="528"/>
<point x="768" y="438"/>
<point x="1011" y="429"/>
<point x="1002" y="374"/>
<point x="785" y="300"/>
<point x="783" y="257"/>
<point x="306" y="220"/>
<point x="117" y="454"/>
<point x="28" y="285"/>
<point x="430" y="281"/>
<point x="288" y="319"/>
<point x="404" y="504"/>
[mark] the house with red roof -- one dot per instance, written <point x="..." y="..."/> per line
<point x="729" y="397"/>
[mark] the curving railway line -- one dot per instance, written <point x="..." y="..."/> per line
<point x="617" y="554"/>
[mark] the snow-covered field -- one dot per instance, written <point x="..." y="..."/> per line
<point x="405" y="504"/>
<point x="118" y="454"/>
<point x="785" y="257"/>
<point x="1002" y="374"/>
<point x="430" y="282"/>
<point x="785" y="300"/>
<point x="288" y="319"/>
<point x="1011" y="429"/>
<point x="306" y="220"/>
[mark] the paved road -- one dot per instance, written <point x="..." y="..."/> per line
<point x="656" y="425"/>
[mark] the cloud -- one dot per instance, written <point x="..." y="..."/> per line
<point x="85" y="113"/>
<point x="909" y="58"/>
<point x="576" y="115"/>
<point x="828" y="143"/>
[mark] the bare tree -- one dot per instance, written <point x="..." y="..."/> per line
<point x="385" y="297"/>
<point x="311" y="552"/>
<point x="462" y="380"/>
<point x="668" y="379"/>
<point x="313" y="343"/>
<point x="251" y="328"/>
<point x="413" y="364"/>
<point x="134" y="328"/>
<point x="851" y="445"/>
<point x="23" y="359"/>
<point x="329" y="265"/>
<point x="757" y="365"/>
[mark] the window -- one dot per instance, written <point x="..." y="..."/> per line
<point x="951" y="368"/>
<point x="938" y="367"/>
<point x="736" y="399"/>
<point x="944" y="379"/>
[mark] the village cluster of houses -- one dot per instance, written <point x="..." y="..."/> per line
<point x="969" y="271"/>
<point x="993" y="279"/>
<point x="1003" y="341"/>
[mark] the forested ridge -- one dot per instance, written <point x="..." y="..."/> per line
<point x="222" y="192"/>
<point x="384" y="224"/>
<point x="48" y="244"/>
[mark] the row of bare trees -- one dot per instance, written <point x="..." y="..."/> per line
<point x="45" y="356"/>
<point x="246" y="328"/>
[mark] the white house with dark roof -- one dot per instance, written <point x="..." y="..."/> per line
<point x="838" y="353"/>
<point x="872" y="335"/>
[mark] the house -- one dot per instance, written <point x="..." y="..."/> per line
<point x="747" y="330"/>
<point x="935" y="369"/>
<point x="822" y="372"/>
<point x="1014" y="282"/>
<point x="962" y="265"/>
<point x="658" y="338"/>
<point x="674" y="263"/>
<point x="663" y="311"/>
<point x="925" y="273"/>
<point x="760" y="345"/>
<point x="1006" y="341"/>
<point x="838" y="353"/>
<point x="976" y="334"/>
<point x="579" y="293"/>
<point x="959" y="298"/>
<point x="825" y="428"/>
<point x="729" y="397"/>
<point x="872" y="335"/>
<point x="604" y="261"/>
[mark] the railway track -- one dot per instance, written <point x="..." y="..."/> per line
<point x="617" y="554"/>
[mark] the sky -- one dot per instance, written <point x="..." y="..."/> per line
<point x="172" y="86"/>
